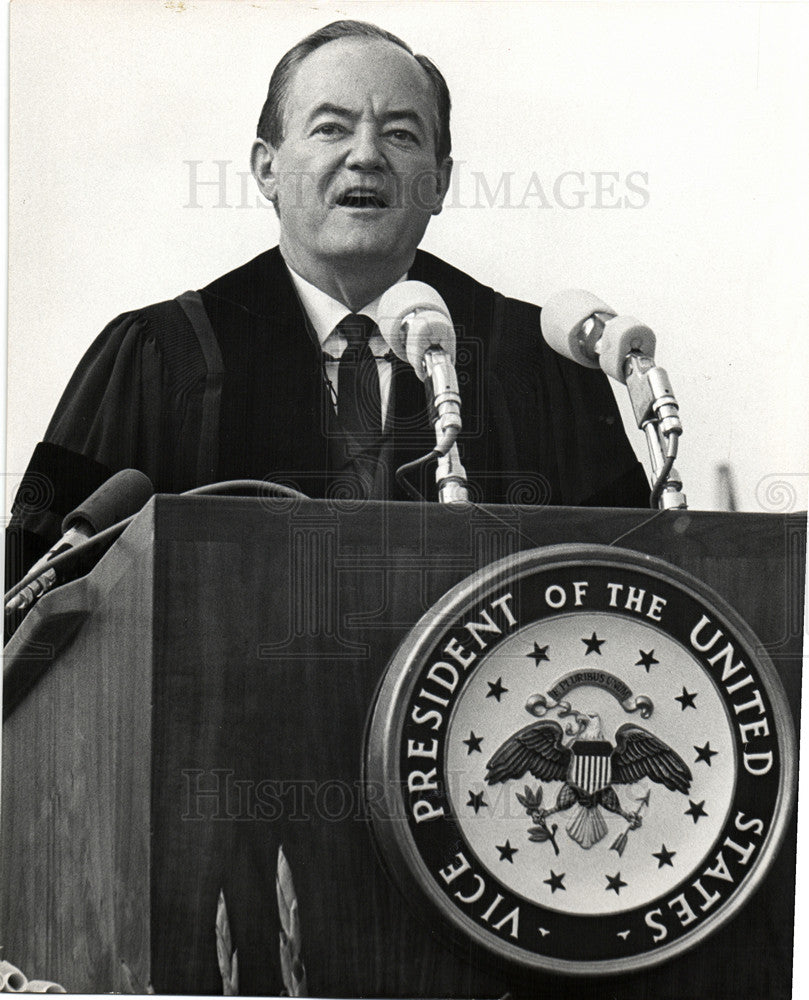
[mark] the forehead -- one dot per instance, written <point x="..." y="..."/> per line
<point x="356" y="72"/>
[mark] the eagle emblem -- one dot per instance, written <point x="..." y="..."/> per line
<point x="589" y="765"/>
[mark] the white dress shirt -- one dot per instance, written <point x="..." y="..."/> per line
<point x="325" y="313"/>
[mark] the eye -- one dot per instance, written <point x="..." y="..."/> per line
<point x="330" y="130"/>
<point x="403" y="136"/>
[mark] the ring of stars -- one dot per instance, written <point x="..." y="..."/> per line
<point x="696" y="811"/>
<point x="647" y="660"/>
<point x="593" y="644"/>
<point x="496" y="689"/>
<point x="686" y="699"/>
<point x="538" y="654"/>
<point x="664" y="856"/>
<point x="615" y="882"/>
<point x="705" y="753"/>
<point x="555" y="881"/>
<point x="507" y="852"/>
<point x="476" y="801"/>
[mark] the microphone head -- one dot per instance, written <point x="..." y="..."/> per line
<point x="563" y="319"/>
<point x="119" y="497"/>
<point x="622" y="336"/>
<point x="412" y="317"/>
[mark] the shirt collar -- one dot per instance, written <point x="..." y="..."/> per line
<point x="325" y="313"/>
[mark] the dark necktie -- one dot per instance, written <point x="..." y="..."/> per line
<point x="358" y="396"/>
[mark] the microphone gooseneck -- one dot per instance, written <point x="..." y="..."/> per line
<point x="104" y="516"/>
<point x="118" y="497"/>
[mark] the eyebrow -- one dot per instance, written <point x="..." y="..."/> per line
<point x="329" y="109"/>
<point x="406" y="114"/>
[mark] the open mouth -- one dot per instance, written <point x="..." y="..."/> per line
<point x="361" y="199"/>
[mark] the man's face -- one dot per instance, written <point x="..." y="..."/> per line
<point x="355" y="177"/>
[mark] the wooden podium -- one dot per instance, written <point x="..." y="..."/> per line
<point x="200" y="700"/>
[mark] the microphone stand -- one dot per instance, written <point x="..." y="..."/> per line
<point x="658" y="417"/>
<point x="450" y="476"/>
<point x="445" y="411"/>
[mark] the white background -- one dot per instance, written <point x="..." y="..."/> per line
<point x="710" y="100"/>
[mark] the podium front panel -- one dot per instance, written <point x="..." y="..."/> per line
<point x="216" y="698"/>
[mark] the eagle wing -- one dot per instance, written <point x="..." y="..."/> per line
<point x="639" y="754"/>
<point x="537" y="748"/>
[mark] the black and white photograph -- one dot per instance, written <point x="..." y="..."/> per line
<point x="406" y="476"/>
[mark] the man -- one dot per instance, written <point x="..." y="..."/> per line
<point x="271" y="372"/>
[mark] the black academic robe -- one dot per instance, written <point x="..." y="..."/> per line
<point x="249" y="399"/>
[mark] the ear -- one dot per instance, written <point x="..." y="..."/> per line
<point x="442" y="177"/>
<point x="262" y="159"/>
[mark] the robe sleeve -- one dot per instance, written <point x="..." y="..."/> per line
<point x="134" y="401"/>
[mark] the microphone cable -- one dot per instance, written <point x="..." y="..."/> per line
<point x="404" y="470"/>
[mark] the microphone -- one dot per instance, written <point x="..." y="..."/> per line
<point x="415" y="323"/>
<point x="116" y="499"/>
<point x="579" y="326"/>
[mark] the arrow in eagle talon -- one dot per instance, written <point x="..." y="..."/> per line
<point x="620" y="842"/>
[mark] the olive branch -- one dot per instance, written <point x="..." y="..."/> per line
<point x="532" y="803"/>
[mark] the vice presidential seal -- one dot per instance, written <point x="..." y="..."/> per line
<point x="581" y="760"/>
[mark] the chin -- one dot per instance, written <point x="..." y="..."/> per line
<point x="372" y="249"/>
<point x="377" y="243"/>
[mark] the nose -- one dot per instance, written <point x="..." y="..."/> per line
<point x="365" y="152"/>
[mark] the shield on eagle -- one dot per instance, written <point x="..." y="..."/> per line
<point x="590" y="768"/>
